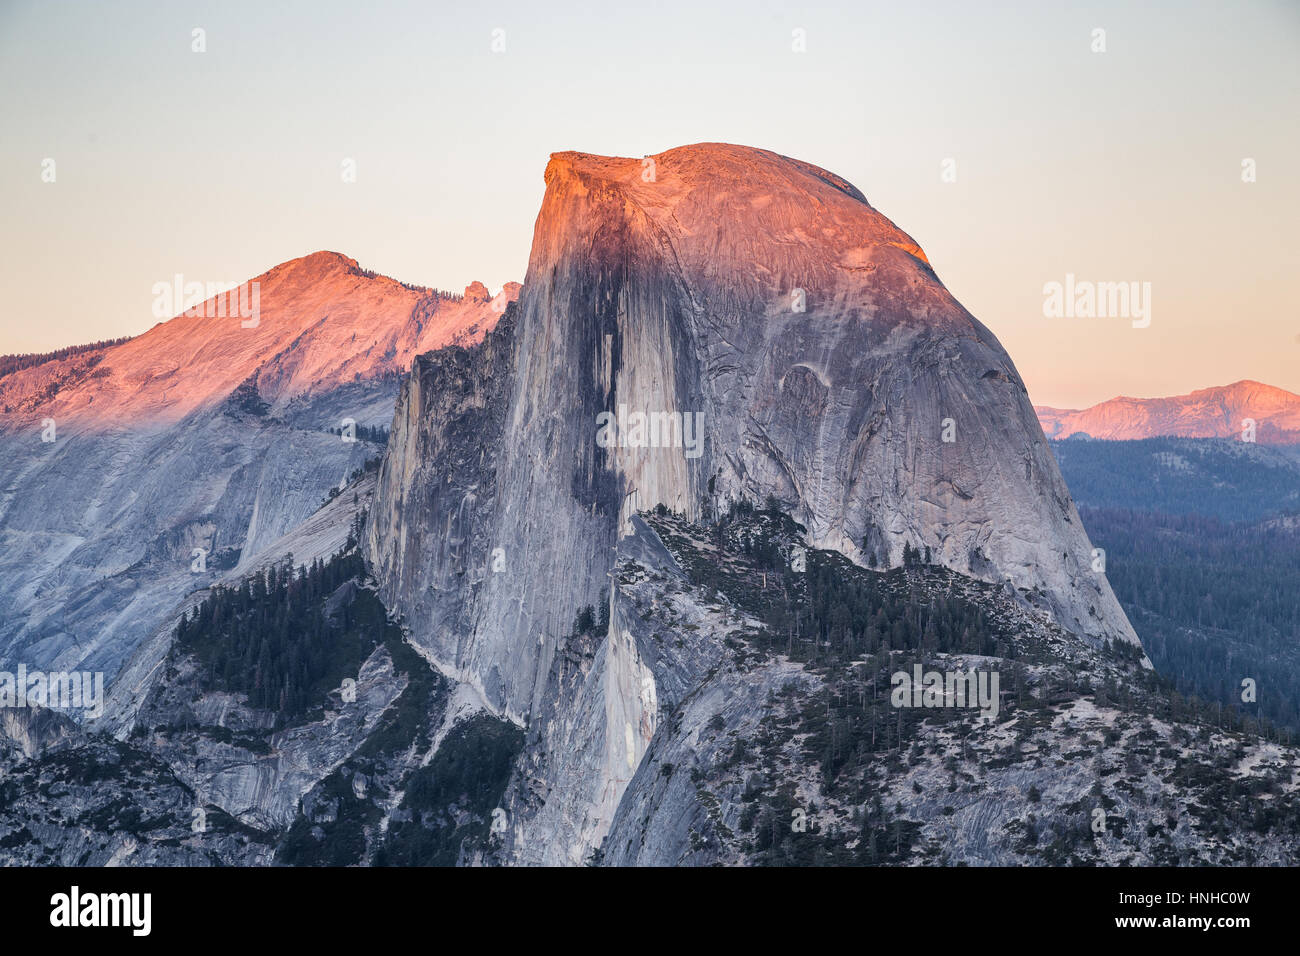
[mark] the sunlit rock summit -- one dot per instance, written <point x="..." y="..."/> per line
<point x="828" y="364"/>
<point x="823" y="366"/>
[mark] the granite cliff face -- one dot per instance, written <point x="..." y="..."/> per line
<point x="762" y="306"/>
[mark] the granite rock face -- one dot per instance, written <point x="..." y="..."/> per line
<point x="694" y="729"/>
<point x="791" y="752"/>
<point x="259" y="787"/>
<point x="430" y="535"/>
<point x="661" y="673"/>
<point x="762" y="306"/>
<point x="699" y="724"/>
<point x="100" y="529"/>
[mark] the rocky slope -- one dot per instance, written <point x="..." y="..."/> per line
<point x="199" y="434"/>
<point x="1205" y="413"/>
<point x="757" y="727"/>
<point x="732" y="705"/>
<point x="381" y="761"/>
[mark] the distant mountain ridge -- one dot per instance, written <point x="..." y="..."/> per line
<point x="1206" y="413"/>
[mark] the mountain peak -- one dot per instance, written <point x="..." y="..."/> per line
<point x="1215" y="412"/>
<point x="726" y="160"/>
<point x="808" y="354"/>
<point x="321" y="320"/>
<point x="320" y="263"/>
<point x="324" y="257"/>
<point x="782" y="226"/>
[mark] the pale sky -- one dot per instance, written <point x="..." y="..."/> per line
<point x="1123" y="165"/>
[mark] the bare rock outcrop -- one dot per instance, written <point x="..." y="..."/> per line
<point x="781" y="338"/>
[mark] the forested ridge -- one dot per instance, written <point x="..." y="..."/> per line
<point x="1214" y="602"/>
<point x="16" y="363"/>
<point x="1208" y="476"/>
<point x="272" y="638"/>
